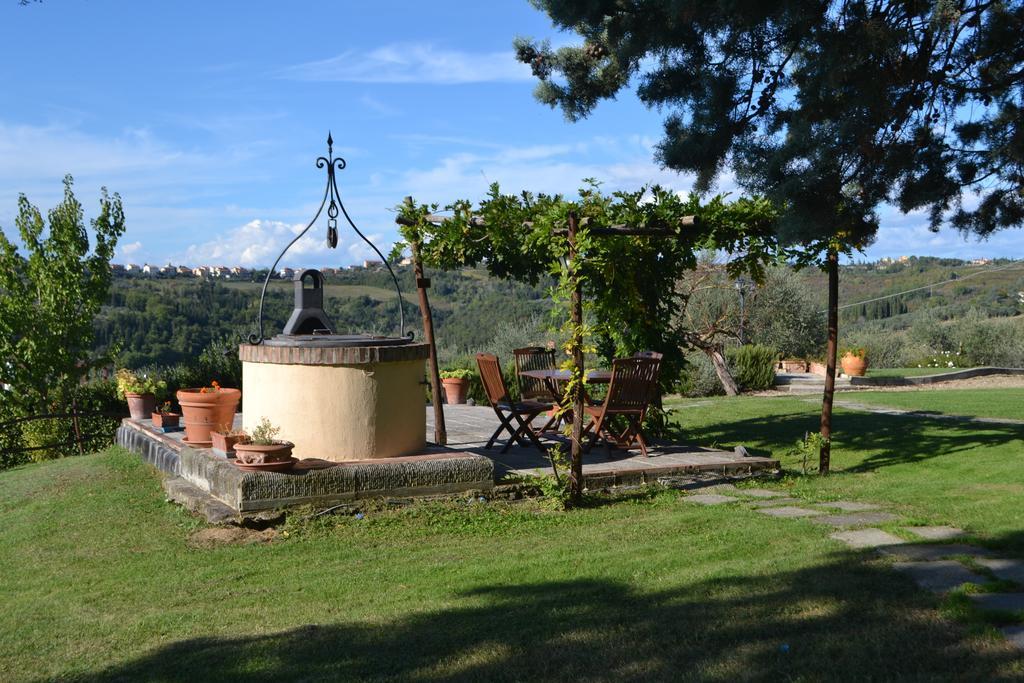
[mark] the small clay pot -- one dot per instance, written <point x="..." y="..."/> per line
<point x="226" y="442"/>
<point x="455" y="390"/>
<point x="854" y="366"/>
<point x="140" y="406"/>
<point x="165" y="420"/>
<point x="260" y="454"/>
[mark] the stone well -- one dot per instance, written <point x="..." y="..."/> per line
<point x="338" y="398"/>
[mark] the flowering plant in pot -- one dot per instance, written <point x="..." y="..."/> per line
<point x="164" y="417"/>
<point x="263" y="450"/>
<point x="204" y="408"/>
<point x="456" y="384"/>
<point x="225" y="437"/>
<point x="139" y="391"/>
<point x="854" y="361"/>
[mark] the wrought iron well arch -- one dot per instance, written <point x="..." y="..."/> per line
<point x="331" y="163"/>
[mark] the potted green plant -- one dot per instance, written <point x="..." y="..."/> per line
<point x="226" y="437"/>
<point x="263" y="450"/>
<point x="855" y="361"/>
<point x="139" y="391"/>
<point x="204" y="408"/>
<point x="165" y="418"/>
<point x="456" y="384"/>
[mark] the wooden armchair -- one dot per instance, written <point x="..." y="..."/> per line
<point x="633" y="386"/>
<point x="514" y="416"/>
<point x="533" y="389"/>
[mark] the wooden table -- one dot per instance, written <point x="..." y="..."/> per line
<point x="552" y="377"/>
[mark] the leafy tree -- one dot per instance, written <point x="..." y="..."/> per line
<point x="784" y="313"/>
<point x="49" y="296"/>
<point x="828" y="108"/>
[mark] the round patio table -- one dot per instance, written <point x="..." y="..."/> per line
<point x="552" y="377"/>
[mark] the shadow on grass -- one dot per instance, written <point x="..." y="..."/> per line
<point x="891" y="439"/>
<point x="844" y="619"/>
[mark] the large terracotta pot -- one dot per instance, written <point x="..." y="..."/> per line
<point x="140" y="406"/>
<point x="854" y="366"/>
<point x="455" y="390"/>
<point x="204" y="412"/>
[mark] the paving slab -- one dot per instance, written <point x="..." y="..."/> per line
<point x="848" y="506"/>
<point x="761" y="493"/>
<point x="938" y="577"/>
<point x="710" y="499"/>
<point x="1014" y="634"/>
<point x="926" y="552"/>
<point x="788" y="511"/>
<point x="936" y="533"/>
<point x="1008" y="570"/>
<point x="856" y="519"/>
<point x="999" y="602"/>
<point x="866" y="538"/>
<point x="769" y="502"/>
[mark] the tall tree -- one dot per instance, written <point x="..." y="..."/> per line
<point x="828" y="107"/>
<point x="49" y="296"/>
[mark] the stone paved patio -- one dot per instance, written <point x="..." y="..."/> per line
<point x="469" y="428"/>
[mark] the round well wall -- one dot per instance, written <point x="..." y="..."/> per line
<point x="338" y="403"/>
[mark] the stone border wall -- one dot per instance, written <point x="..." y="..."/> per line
<point x="933" y="379"/>
<point x="337" y="355"/>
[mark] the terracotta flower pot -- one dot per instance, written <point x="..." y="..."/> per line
<point x="259" y="454"/>
<point x="854" y="366"/>
<point x="165" y="420"/>
<point x="793" y="366"/>
<point x="204" y="412"/>
<point x="817" y="368"/>
<point x="140" y="406"/>
<point x="455" y="390"/>
<point x="226" y="442"/>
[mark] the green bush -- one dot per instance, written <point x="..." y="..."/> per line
<point x="753" y="366"/>
<point x="699" y="377"/>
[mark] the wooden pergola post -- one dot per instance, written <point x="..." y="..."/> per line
<point x="422" y="285"/>
<point x="576" y="347"/>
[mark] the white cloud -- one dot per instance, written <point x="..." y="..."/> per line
<point x="256" y="244"/>
<point x="129" y="250"/>
<point x="412" y="63"/>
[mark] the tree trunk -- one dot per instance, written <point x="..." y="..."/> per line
<point x="825" y="455"/>
<point x="576" y="345"/>
<point x="722" y="370"/>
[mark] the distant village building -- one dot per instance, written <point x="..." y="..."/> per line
<point x="133" y="268"/>
<point x="407" y="261"/>
<point x="183" y="270"/>
<point x="373" y="264"/>
<point x="166" y="271"/>
<point x="200" y="271"/>
<point x="117" y="269"/>
<point x="286" y="273"/>
<point x="981" y="261"/>
<point x="148" y="269"/>
<point x="239" y="272"/>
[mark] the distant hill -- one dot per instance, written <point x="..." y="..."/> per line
<point x="165" y="321"/>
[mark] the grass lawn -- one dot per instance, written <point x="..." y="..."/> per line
<point x="1000" y="403"/>
<point x="101" y="582"/>
<point x="937" y="471"/>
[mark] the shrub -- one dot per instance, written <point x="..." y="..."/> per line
<point x="699" y="377"/>
<point x="753" y="366"/>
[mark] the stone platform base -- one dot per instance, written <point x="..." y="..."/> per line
<point x="315" y="482"/>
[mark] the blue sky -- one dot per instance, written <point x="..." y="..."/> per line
<point x="207" y="117"/>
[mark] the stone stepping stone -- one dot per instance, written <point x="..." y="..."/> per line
<point x="1014" y="634"/>
<point x="856" y="519"/>
<point x="773" y="501"/>
<point x="848" y="506"/>
<point x="761" y="493"/>
<point x="938" y="577"/>
<point x="925" y="552"/>
<point x="999" y="602"/>
<point x="866" y="538"/>
<point x="710" y="499"/>
<point x="936" y="533"/>
<point x="1008" y="570"/>
<point x="789" y="512"/>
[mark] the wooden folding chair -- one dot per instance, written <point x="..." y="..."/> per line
<point x="533" y="389"/>
<point x="633" y="385"/>
<point x="514" y="416"/>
